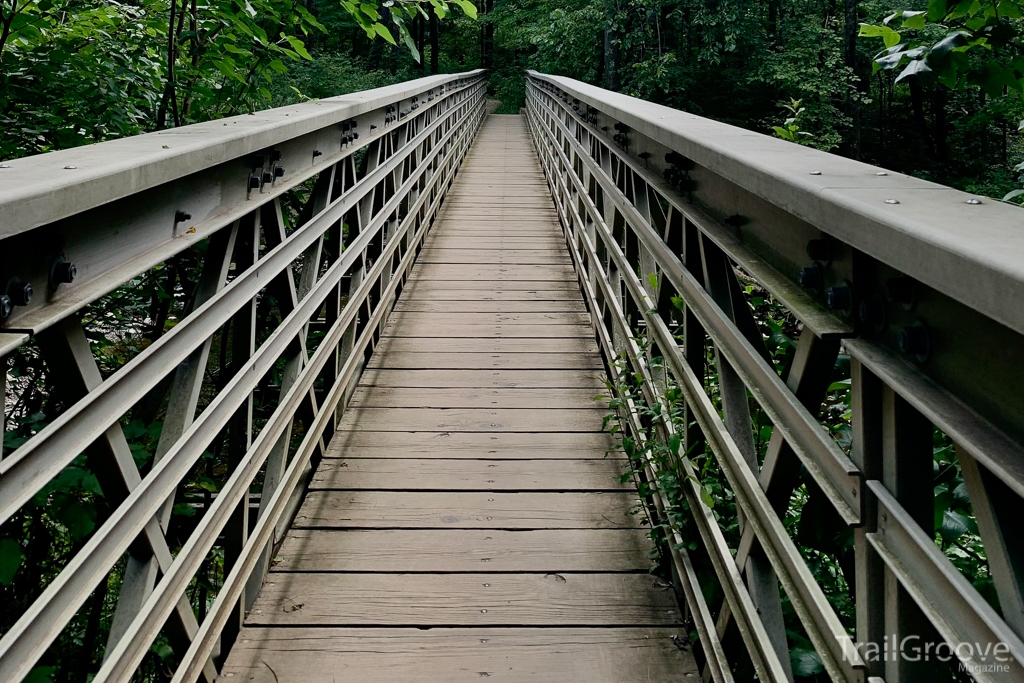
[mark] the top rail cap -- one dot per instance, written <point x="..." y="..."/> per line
<point x="44" y="188"/>
<point x="968" y="248"/>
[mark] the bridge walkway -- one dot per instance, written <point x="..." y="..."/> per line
<point x="466" y="522"/>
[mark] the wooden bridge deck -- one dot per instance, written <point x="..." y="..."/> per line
<point x="466" y="523"/>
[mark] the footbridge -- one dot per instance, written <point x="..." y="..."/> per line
<point x="601" y="392"/>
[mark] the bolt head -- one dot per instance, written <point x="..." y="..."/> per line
<point x="913" y="341"/>
<point x="819" y="249"/>
<point x="6" y="306"/>
<point x="810" y="277"/>
<point x="840" y="298"/>
<point x="254" y="182"/>
<point x="279" y="171"/>
<point x="62" y="272"/>
<point x="19" y="291"/>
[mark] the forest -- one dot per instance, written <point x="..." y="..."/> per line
<point x="928" y="88"/>
<point x="932" y="88"/>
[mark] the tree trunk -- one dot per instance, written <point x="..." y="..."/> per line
<point x="435" y="43"/>
<point x="920" y="122"/>
<point x="421" y="32"/>
<point x="488" y="36"/>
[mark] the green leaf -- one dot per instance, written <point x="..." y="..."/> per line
<point x="889" y="37"/>
<point x="936" y="10"/>
<point x="1012" y="194"/>
<point x="40" y="674"/>
<point x="805" y="662"/>
<point x="652" y="280"/>
<point x="705" y="496"/>
<point x="298" y="46"/>
<point x="207" y="484"/>
<point x="1010" y="9"/>
<point x="914" y="19"/>
<point x="382" y="31"/>
<point x="370" y="11"/>
<point x="11" y="557"/>
<point x="917" y="67"/>
<point x="673" y="443"/>
<point x="467" y="7"/>
<point x="79" y="517"/>
<point x="954" y="525"/>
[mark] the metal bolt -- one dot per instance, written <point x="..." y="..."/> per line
<point x="483" y="611"/>
<point x="6" y="306"/>
<point x="62" y="272"/>
<point x="254" y="182"/>
<point x="872" y="312"/>
<point x="268" y="177"/>
<point x="840" y="298"/>
<point x="317" y="153"/>
<point x="901" y="290"/>
<point x="815" y="172"/>
<point x="913" y="341"/>
<point x="880" y="173"/>
<point x="974" y="202"/>
<point x="70" y="167"/>
<point x="181" y="216"/>
<point x="5" y="165"/>
<point x="19" y="291"/>
<point x="811" y="277"/>
<point x="279" y="171"/>
<point x="820" y="249"/>
<point x="892" y="201"/>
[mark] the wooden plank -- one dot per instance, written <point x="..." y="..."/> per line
<point x="428" y="306"/>
<point x="555" y="599"/>
<point x="546" y="273"/>
<point x="504" y="256"/>
<point x="461" y="655"/>
<point x="514" y="445"/>
<point x="464" y="550"/>
<point x="417" y="510"/>
<point x="428" y="328"/>
<point x="407" y="397"/>
<point x="487" y="361"/>
<point x="463" y="318"/>
<point x="510" y="294"/>
<point x="477" y="345"/>
<point x="487" y="378"/>
<point x="472" y="419"/>
<point x="437" y="474"/>
<point x="475" y="243"/>
<point x="432" y="288"/>
<point x="484" y="229"/>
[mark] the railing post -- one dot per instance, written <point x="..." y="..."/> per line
<point x="869" y="575"/>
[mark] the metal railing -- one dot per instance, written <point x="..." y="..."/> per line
<point x="669" y="218"/>
<point x="77" y="224"/>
